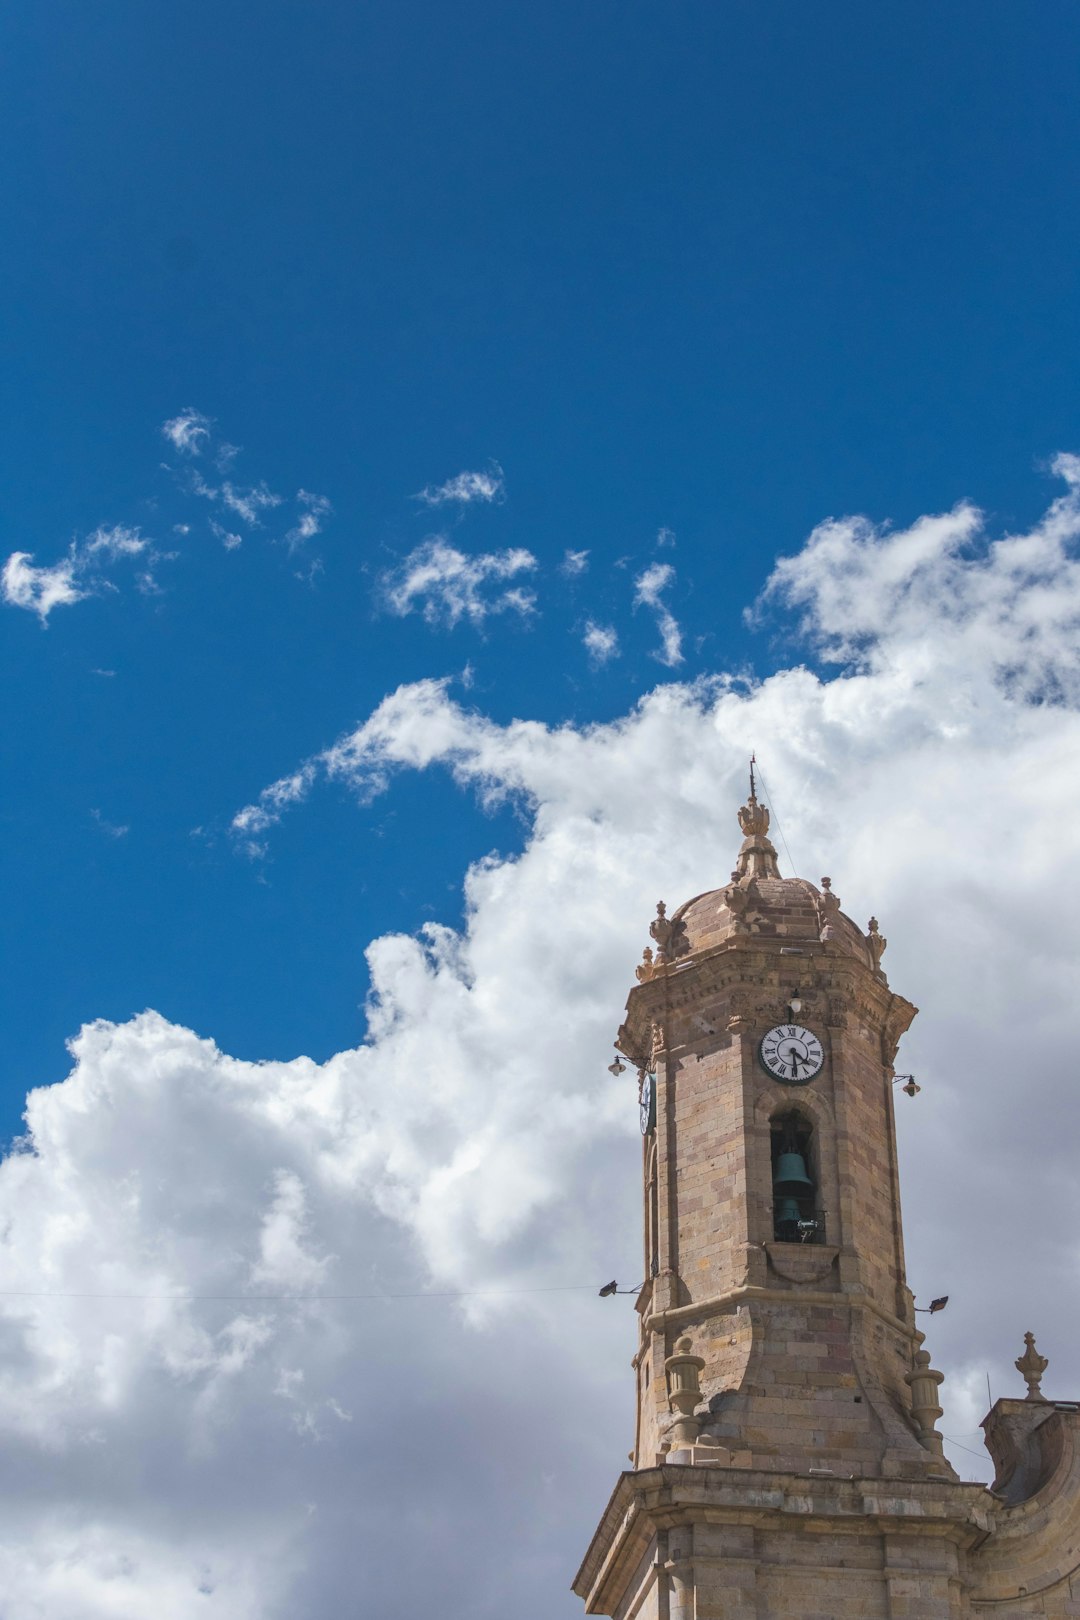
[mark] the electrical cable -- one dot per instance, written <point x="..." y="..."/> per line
<point x="299" y="1299"/>
<point x="776" y="819"/>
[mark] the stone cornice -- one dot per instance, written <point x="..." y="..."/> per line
<point x="654" y="1499"/>
<point x="837" y="988"/>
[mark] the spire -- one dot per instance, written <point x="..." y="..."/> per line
<point x="757" y="857"/>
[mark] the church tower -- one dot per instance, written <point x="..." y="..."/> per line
<point x="786" y="1458"/>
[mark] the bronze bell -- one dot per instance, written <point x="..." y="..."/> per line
<point x="791" y="1176"/>
<point x="787" y="1212"/>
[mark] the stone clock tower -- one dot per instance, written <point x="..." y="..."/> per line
<point x="786" y="1460"/>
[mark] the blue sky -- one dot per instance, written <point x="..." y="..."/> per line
<point x="672" y="286"/>
<point x="721" y="269"/>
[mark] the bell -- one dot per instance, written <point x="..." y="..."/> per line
<point x="786" y="1216"/>
<point x="791" y="1176"/>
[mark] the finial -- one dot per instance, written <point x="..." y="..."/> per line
<point x="1032" y="1365"/>
<point x="923" y="1382"/>
<point x="827" y="906"/>
<point x="877" y="943"/>
<point x="684" y="1391"/>
<point x="757" y="857"/>
<point x="669" y="934"/>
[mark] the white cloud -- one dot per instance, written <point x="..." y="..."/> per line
<point x="310" y="521"/>
<point x="110" y="828"/>
<point x="248" y="503"/>
<point x="601" y="642"/>
<point x="466" y="488"/>
<point x="665" y="537"/>
<point x="448" y="585"/>
<point x="649" y="588"/>
<point x="255" y="1453"/>
<point x="248" y="823"/>
<point x="574" y="563"/>
<point x="39" y="590"/>
<point x="119" y="541"/>
<point x="188" y="433"/>
<point x="228" y="537"/>
<point x="81" y="573"/>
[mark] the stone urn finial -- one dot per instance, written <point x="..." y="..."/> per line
<point x="923" y="1382"/>
<point x="827" y="907"/>
<point x="1032" y="1366"/>
<point x="877" y="943"/>
<point x="684" y="1391"/>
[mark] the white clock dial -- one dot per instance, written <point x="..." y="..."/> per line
<point x="792" y="1053"/>
<point x="647" y="1103"/>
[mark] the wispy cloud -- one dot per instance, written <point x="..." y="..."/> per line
<point x="465" y="488"/>
<point x="246" y="503"/>
<point x="189" y="432"/>
<point x="447" y="585"/>
<point x="574" y="562"/>
<point x="649" y="588"/>
<point x="664" y="537"/>
<point x="248" y="824"/>
<point x="310" y="522"/>
<point x="228" y="537"/>
<point x="80" y="573"/>
<point x="192" y="433"/>
<point x="601" y="642"/>
<point x="110" y="828"/>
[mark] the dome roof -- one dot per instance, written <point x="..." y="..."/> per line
<point x="758" y="901"/>
<point x="770" y="907"/>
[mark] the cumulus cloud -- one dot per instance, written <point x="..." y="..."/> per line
<point x="601" y="642"/>
<point x="189" y="432"/>
<point x="40" y="589"/>
<point x="81" y="572"/>
<point x="649" y="588"/>
<point x="212" y="1429"/>
<point x="574" y="563"/>
<point x="466" y="488"/>
<point x="447" y="585"/>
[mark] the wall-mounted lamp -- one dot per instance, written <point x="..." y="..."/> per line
<point x="910" y="1088"/>
<point x="618" y="1067"/>
<point x="795" y="1005"/>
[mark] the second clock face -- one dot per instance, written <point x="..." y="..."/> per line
<point x="792" y="1053"/>
<point x="647" y="1103"/>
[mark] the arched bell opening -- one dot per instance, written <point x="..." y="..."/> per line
<point x="797" y="1217"/>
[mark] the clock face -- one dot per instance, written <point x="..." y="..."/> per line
<point x="792" y="1054"/>
<point x="647" y="1103"/>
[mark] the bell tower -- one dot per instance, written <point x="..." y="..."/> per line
<point x="786" y="1459"/>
